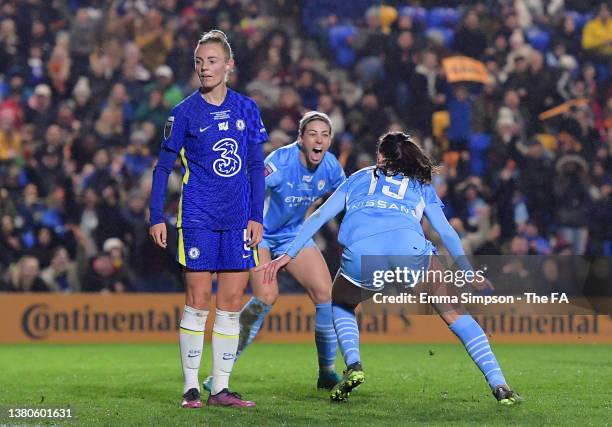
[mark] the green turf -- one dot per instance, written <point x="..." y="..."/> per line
<point x="405" y="384"/>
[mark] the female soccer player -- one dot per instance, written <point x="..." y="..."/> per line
<point x="384" y="205"/>
<point x="296" y="176"/>
<point x="218" y="135"/>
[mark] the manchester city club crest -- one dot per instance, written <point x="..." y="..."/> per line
<point x="240" y="124"/>
<point x="321" y="184"/>
<point x="194" y="253"/>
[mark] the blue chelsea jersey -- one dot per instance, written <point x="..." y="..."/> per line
<point x="384" y="203"/>
<point x="291" y="188"/>
<point x="212" y="142"/>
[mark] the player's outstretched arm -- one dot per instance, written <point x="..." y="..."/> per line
<point x="451" y="240"/>
<point x="447" y="233"/>
<point x="272" y="268"/>
<point x="332" y="207"/>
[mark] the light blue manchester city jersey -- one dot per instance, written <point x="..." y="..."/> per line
<point x="291" y="188"/>
<point x="376" y="205"/>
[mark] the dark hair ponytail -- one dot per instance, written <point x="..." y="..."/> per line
<point x="403" y="155"/>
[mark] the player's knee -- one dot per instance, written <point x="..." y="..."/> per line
<point x="230" y="301"/>
<point x="319" y="296"/>
<point x="269" y="295"/>
<point x="200" y="300"/>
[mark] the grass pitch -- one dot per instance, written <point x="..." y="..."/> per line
<point x="141" y="384"/>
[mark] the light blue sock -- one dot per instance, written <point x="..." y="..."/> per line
<point x="251" y="319"/>
<point x="325" y="336"/>
<point x="477" y="345"/>
<point x="347" y="331"/>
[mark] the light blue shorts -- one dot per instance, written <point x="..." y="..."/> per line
<point x="385" y="251"/>
<point x="279" y="246"/>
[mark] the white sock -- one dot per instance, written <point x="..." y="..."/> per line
<point x="226" y="332"/>
<point x="191" y="341"/>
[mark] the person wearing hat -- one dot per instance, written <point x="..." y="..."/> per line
<point x="572" y="201"/>
<point x="40" y="109"/>
<point x="164" y="82"/>
<point x="117" y="251"/>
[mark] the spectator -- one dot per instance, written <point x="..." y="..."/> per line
<point x="567" y="36"/>
<point x="460" y="111"/>
<point x="40" y="109"/>
<point x="84" y="30"/>
<point x="154" y="41"/>
<point x="25" y="276"/>
<point x="8" y="44"/>
<point x="85" y="93"/>
<point x="59" y="70"/>
<point x="470" y="40"/>
<point x="597" y="34"/>
<point x="536" y="180"/>
<point x="573" y="201"/>
<point x="101" y="276"/>
<point x="399" y="68"/>
<point x="10" y="138"/>
<point x="171" y="94"/>
<point x="46" y="242"/>
<point x="119" y="256"/>
<point x="110" y="222"/>
<point x="11" y="247"/>
<point x="61" y="275"/>
<point x="427" y="91"/>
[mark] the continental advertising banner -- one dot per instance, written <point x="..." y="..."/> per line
<point x="38" y="318"/>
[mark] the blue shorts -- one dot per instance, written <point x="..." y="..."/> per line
<point x="385" y="251"/>
<point x="279" y="246"/>
<point x="207" y="250"/>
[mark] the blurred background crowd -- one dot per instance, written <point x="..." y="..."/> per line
<point x="86" y="86"/>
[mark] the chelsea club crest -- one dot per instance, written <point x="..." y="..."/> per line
<point x="194" y="253"/>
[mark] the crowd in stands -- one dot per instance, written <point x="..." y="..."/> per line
<point x="86" y="86"/>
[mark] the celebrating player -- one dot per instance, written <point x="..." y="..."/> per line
<point x="218" y="134"/>
<point x="384" y="205"/>
<point x="296" y="176"/>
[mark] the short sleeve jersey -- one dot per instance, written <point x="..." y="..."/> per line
<point x="291" y="188"/>
<point x="384" y="203"/>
